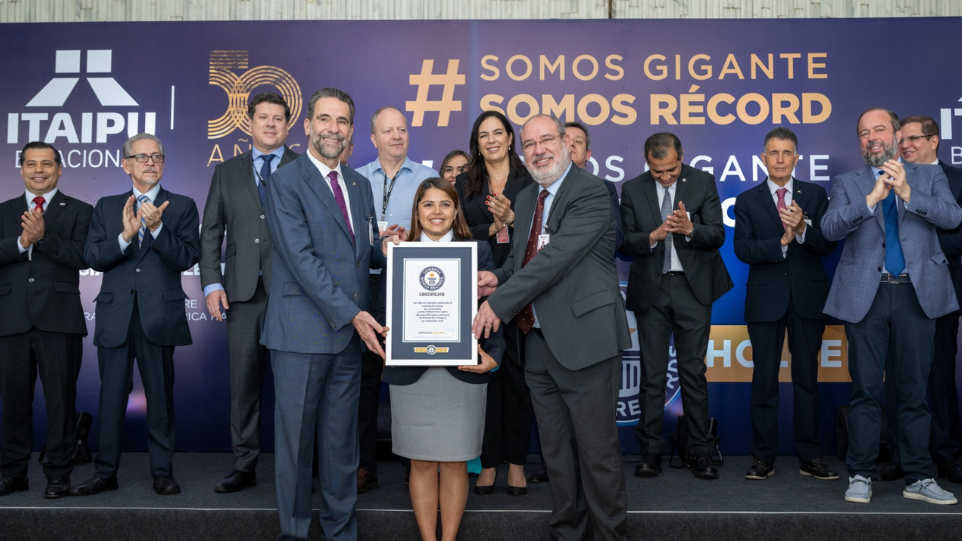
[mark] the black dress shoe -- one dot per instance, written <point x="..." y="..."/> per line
<point x="760" y="470"/>
<point x="95" y="485"/>
<point x="484" y="490"/>
<point x="366" y="480"/>
<point x="818" y="469"/>
<point x="236" y="481"/>
<point x="57" y="487"/>
<point x="540" y="475"/>
<point x="891" y="472"/>
<point x="950" y="471"/>
<point x="650" y="465"/>
<point x="9" y="485"/>
<point x="165" y="485"/>
<point x="703" y="467"/>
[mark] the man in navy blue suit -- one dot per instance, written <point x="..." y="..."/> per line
<point x="777" y="233"/>
<point x="141" y="240"/>
<point x="325" y="238"/>
<point x="920" y="144"/>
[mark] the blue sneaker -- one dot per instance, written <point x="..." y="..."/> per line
<point x="928" y="490"/>
<point x="859" y="489"/>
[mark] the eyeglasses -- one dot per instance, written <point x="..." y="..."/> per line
<point x="914" y="138"/>
<point x="142" y="158"/>
<point x="545" y="141"/>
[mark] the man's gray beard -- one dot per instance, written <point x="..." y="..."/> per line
<point x="888" y="152"/>
<point x="317" y="143"/>
<point x="549" y="177"/>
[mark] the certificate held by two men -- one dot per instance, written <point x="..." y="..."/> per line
<point x="432" y="292"/>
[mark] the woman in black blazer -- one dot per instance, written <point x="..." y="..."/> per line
<point x="437" y="413"/>
<point x="487" y="192"/>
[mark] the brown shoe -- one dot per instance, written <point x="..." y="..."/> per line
<point x="366" y="480"/>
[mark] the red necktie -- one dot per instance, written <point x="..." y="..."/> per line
<point x="781" y="200"/>
<point x="525" y="317"/>
<point x="339" y="197"/>
<point x="39" y="201"/>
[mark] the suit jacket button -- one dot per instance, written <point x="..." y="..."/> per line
<point x="30" y="280"/>
<point x="257" y="241"/>
<point x="879" y="269"/>
<point x="355" y="295"/>
<point x="262" y="216"/>
<point x="138" y="270"/>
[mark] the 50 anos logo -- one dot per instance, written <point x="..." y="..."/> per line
<point x="432" y="278"/>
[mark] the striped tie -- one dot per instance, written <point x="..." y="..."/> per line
<point x="143" y="224"/>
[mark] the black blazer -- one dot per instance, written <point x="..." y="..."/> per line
<point x="772" y="279"/>
<point x="641" y="214"/>
<point x="478" y="216"/>
<point x="951" y="240"/>
<point x="493" y="346"/>
<point x="43" y="293"/>
<point x="151" y="272"/>
<point x="233" y="205"/>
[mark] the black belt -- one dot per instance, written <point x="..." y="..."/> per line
<point x="675" y="273"/>
<point x="893" y="279"/>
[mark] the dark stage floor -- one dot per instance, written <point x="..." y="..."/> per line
<point x="674" y="505"/>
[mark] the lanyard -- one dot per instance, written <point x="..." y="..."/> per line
<point x="387" y="192"/>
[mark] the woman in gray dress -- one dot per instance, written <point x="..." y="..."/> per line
<point x="437" y="413"/>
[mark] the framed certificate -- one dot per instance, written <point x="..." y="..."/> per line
<point x="432" y="292"/>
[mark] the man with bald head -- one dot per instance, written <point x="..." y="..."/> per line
<point x="394" y="179"/>
<point x="559" y="283"/>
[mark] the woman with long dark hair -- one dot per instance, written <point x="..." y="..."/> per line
<point x="487" y="190"/>
<point x="437" y="413"/>
<point x="455" y="163"/>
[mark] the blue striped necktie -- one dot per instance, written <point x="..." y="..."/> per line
<point x="143" y="223"/>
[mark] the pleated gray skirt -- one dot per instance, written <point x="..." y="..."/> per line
<point x="438" y="418"/>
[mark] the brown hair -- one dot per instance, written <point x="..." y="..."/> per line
<point x="460" y="225"/>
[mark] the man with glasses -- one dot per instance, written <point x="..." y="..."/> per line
<point x="561" y="286"/>
<point x="141" y="240"/>
<point x="235" y="207"/>
<point x="891" y="283"/>
<point x="920" y="145"/>
<point x="673" y="226"/>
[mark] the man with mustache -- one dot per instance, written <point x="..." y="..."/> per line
<point x="394" y="180"/>
<point x="673" y="226"/>
<point x="560" y="284"/>
<point x="325" y="238"/>
<point x="891" y="283"/>
<point x="141" y="240"/>
<point x="235" y="208"/>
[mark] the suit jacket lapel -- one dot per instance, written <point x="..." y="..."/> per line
<point x="247" y="163"/>
<point x="54" y="208"/>
<point x="144" y="248"/>
<point x="765" y="200"/>
<point x="318" y="185"/>
<point x="654" y="203"/>
<point x="526" y="211"/>
<point x="360" y="220"/>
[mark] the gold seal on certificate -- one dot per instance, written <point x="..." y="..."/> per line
<point x="431" y="292"/>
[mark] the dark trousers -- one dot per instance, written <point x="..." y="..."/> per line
<point x="943" y="396"/>
<point x="894" y="326"/>
<point x="156" y="366"/>
<point x="579" y="439"/>
<point x="675" y="310"/>
<point x="804" y="342"/>
<point x="56" y="357"/>
<point x="508" y="413"/>
<point x="316" y="395"/>
<point x="372" y="366"/>
<point x="248" y="361"/>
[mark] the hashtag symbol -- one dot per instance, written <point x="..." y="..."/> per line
<point x="424" y="81"/>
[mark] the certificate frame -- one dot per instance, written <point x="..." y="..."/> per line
<point x="430" y="325"/>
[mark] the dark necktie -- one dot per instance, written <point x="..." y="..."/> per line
<point x="339" y="197"/>
<point x="894" y="259"/>
<point x="781" y="201"/>
<point x="265" y="174"/>
<point x="525" y="317"/>
<point x="39" y="201"/>
<point x="143" y="223"/>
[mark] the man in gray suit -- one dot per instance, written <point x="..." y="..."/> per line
<point x="325" y="238"/>
<point x="891" y="283"/>
<point x="562" y="287"/>
<point x="235" y="204"/>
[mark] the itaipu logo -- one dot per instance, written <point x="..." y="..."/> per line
<point x="59" y="114"/>
<point x="432" y="278"/>
<point x="239" y="86"/>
